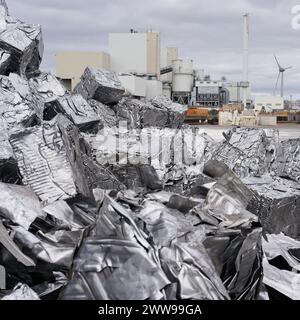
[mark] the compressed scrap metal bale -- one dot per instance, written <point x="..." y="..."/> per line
<point x="290" y="160"/>
<point x="17" y="104"/>
<point x="177" y="112"/>
<point x="277" y="203"/>
<point x="140" y="114"/>
<point x="249" y="151"/>
<point x="158" y="147"/>
<point x="88" y="173"/>
<point x="43" y="162"/>
<point x="23" y="42"/>
<point x="76" y="108"/>
<point x="107" y="116"/>
<point x="48" y="89"/>
<point x="101" y="85"/>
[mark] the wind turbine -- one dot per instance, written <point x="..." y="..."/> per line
<point x="280" y="73"/>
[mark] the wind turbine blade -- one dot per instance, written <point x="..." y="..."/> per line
<point x="277" y="61"/>
<point x="288" y="68"/>
<point x="275" y="90"/>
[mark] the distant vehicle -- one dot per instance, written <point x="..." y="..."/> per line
<point x="198" y="115"/>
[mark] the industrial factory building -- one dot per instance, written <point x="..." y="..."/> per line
<point x="268" y="103"/>
<point x="135" y="52"/>
<point x="146" y="69"/>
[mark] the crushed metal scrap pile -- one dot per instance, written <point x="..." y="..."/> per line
<point x="78" y="221"/>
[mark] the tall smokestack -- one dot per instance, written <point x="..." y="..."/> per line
<point x="245" y="58"/>
<point x="246" y="47"/>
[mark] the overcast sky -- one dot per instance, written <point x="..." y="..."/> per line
<point x="207" y="31"/>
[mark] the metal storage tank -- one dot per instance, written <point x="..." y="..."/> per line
<point x="183" y="76"/>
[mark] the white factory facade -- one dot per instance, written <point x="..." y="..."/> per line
<point x="268" y="103"/>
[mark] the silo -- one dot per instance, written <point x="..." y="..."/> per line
<point x="183" y="80"/>
<point x="183" y="76"/>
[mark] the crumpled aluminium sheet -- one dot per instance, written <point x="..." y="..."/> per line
<point x="191" y="269"/>
<point x="101" y="85"/>
<point x="185" y="262"/>
<point x="47" y="88"/>
<point x="277" y="203"/>
<point x="19" y="204"/>
<point x="228" y="198"/>
<point x="11" y="248"/>
<point x="88" y="174"/>
<point x="249" y="151"/>
<point x="24" y="43"/>
<point x="290" y="160"/>
<point x="248" y="262"/>
<point x="50" y="290"/>
<point x="43" y="163"/>
<point x="106" y="115"/>
<point x="57" y="247"/>
<point x="76" y="214"/>
<point x="17" y="104"/>
<point x="139" y="114"/>
<point x="177" y="112"/>
<point x="21" y="292"/>
<point x="154" y="113"/>
<point x="9" y="171"/>
<point x="110" y="279"/>
<point x="76" y="109"/>
<point x="121" y="263"/>
<point x="128" y="151"/>
<point x="177" y="247"/>
<point x="286" y="281"/>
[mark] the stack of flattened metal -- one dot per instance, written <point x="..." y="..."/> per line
<point x="77" y="110"/>
<point x="100" y="85"/>
<point x="23" y="42"/>
<point x="277" y="203"/>
<point x="160" y="113"/>
<point x="248" y="151"/>
<point x="290" y="160"/>
<point x="43" y="162"/>
<point x="17" y="104"/>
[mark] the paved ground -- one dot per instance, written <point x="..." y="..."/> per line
<point x="286" y="131"/>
